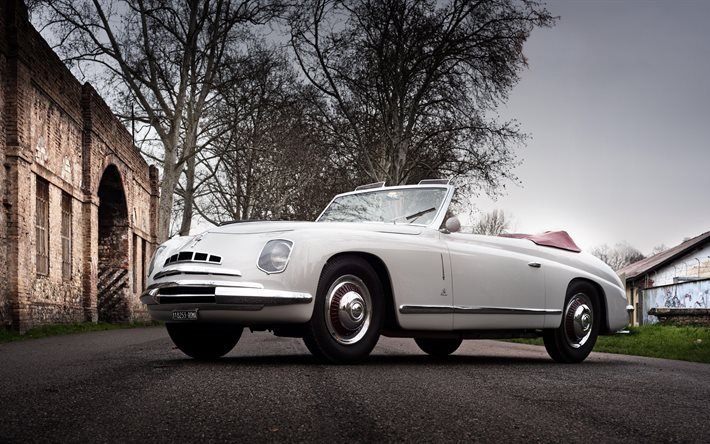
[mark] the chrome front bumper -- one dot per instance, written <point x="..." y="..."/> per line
<point x="223" y="294"/>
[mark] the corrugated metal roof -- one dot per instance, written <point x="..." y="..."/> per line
<point x="658" y="260"/>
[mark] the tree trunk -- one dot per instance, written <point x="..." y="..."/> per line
<point x="189" y="195"/>
<point x="167" y="188"/>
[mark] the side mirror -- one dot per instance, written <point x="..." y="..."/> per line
<point x="453" y="224"/>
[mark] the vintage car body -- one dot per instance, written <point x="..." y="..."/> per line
<point x="428" y="283"/>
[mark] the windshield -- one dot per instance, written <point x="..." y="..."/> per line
<point x="406" y="206"/>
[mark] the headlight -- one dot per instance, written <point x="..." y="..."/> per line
<point x="274" y="256"/>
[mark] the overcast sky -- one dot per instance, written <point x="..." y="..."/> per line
<point x="617" y="99"/>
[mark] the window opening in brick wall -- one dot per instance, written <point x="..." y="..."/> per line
<point x="42" y="226"/>
<point x="135" y="263"/>
<point x="146" y="258"/>
<point x="66" y="236"/>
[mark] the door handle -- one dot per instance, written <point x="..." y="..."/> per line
<point x="534" y="264"/>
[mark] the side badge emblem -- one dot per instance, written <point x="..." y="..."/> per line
<point x="443" y="293"/>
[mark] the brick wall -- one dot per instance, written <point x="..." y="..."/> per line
<point x="62" y="131"/>
<point x="5" y="308"/>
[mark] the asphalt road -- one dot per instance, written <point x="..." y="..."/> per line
<point x="133" y="386"/>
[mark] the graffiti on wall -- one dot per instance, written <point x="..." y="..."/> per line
<point x="686" y="295"/>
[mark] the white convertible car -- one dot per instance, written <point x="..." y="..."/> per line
<point x="381" y="261"/>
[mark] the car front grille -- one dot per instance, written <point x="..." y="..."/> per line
<point x="185" y="290"/>
<point x="193" y="256"/>
<point x="186" y="295"/>
<point x="187" y="299"/>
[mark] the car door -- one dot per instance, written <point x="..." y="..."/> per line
<point x="421" y="280"/>
<point x="497" y="282"/>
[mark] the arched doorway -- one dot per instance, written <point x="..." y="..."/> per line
<point x="112" y="280"/>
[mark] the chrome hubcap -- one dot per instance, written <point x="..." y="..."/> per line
<point x="347" y="309"/>
<point x="351" y="310"/>
<point x="579" y="319"/>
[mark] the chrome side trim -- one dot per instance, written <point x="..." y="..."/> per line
<point x="505" y="310"/>
<point x="426" y="309"/>
<point x="172" y="270"/>
<point x="461" y="309"/>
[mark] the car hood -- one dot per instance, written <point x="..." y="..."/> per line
<point x="264" y="227"/>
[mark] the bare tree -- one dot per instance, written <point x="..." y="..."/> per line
<point x="492" y="224"/>
<point x="411" y="85"/>
<point x="621" y="255"/>
<point x="165" y="55"/>
<point x="658" y="249"/>
<point x="268" y="161"/>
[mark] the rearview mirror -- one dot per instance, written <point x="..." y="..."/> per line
<point x="452" y="224"/>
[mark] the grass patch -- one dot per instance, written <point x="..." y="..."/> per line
<point x="66" y="329"/>
<point x="683" y="343"/>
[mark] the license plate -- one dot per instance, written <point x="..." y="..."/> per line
<point x="184" y="315"/>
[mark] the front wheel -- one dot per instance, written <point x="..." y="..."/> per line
<point x="348" y="313"/>
<point x="574" y="339"/>
<point x="204" y="341"/>
<point x="438" y="347"/>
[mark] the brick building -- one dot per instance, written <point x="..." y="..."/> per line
<point x="78" y="218"/>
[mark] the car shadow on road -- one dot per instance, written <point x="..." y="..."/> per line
<point x="372" y="360"/>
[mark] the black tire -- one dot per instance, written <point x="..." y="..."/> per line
<point x="438" y="347"/>
<point x="204" y="341"/>
<point x="348" y="313"/>
<point x="574" y="339"/>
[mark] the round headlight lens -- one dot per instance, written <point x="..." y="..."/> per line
<point x="274" y="256"/>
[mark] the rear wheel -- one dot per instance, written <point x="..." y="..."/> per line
<point x="574" y="339"/>
<point x="438" y="347"/>
<point x="348" y="313"/>
<point x="204" y="341"/>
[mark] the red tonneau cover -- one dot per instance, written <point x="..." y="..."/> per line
<point x="554" y="239"/>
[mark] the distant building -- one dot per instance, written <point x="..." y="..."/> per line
<point x="78" y="221"/>
<point x="678" y="278"/>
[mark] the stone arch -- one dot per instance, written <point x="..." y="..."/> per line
<point x="112" y="297"/>
<point x="113" y="162"/>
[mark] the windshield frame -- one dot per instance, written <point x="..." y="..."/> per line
<point x="438" y="218"/>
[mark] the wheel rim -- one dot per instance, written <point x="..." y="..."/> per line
<point x="348" y="309"/>
<point x="579" y="320"/>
